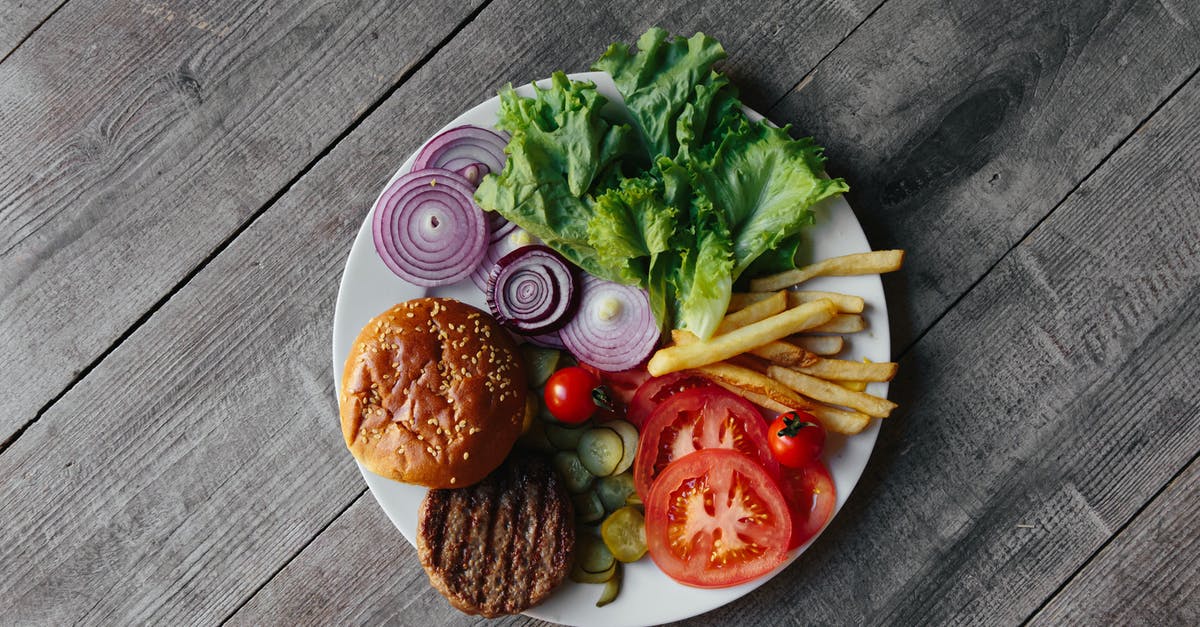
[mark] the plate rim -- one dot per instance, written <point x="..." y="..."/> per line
<point x="729" y="595"/>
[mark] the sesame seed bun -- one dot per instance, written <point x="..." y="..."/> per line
<point x="433" y="393"/>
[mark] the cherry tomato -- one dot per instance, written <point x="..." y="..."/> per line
<point x="658" y="389"/>
<point x="716" y="518"/>
<point x="811" y="497"/>
<point x="571" y="394"/>
<point x="796" y="439"/>
<point x="700" y="418"/>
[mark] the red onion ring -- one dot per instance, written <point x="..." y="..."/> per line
<point x="547" y="340"/>
<point x="428" y="229"/>
<point x="611" y="340"/>
<point x="464" y="147"/>
<point x="501" y="244"/>
<point x="532" y="290"/>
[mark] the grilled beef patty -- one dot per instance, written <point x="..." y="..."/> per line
<point x="501" y="545"/>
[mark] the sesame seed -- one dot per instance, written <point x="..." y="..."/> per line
<point x="466" y="455"/>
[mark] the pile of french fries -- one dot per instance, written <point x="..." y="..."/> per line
<point x="777" y="347"/>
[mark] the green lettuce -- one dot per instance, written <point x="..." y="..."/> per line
<point x="764" y="182"/>
<point x="681" y="198"/>
<point x="560" y="143"/>
<point x="660" y="82"/>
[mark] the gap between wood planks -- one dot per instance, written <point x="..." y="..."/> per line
<point x="906" y="349"/>
<point x="402" y="80"/>
<point x="36" y="28"/>
<point x="1171" y="96"/>
<point x="804" y="80"/>
<point x="1120" y="530"/>
<point x="408" y="73"/>
<point x="301" y="548"/>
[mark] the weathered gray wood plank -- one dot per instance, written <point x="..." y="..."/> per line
<point x="1014" y="459"/>
<point x="959" y="125"/>
<point x="135" y="137"/>
<point x="203" y="452"/>
<point x="1149" y="575"/>
<point x="1003" y="475"/>
<point x="301" y="594"/>
<point x="1041" y="413"/>
<point x="19" y="18"/>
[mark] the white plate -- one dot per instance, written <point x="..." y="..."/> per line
<point x="647" y="596"/>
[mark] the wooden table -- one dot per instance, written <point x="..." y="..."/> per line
<point x="180" y="184"/>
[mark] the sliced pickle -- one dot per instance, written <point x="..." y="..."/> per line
<point x="611" y="588"/>
<point x="629" y="438"/>
<point x="577" y="478"/>
<point x="615" y="491"/>
<point x="601" y="450"/>
<point x="588" y="508"/>
<point x="564" y="437"/>
<point x="540" y="363"/>
<point x="591" y="554"/>
<point x="624" y="533"/>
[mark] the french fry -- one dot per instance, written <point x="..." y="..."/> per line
<point x="845" y="303"/>
<point x="833" y="419"/>
<point x="752" y="313"/>
<point x="746" y="380"/>
<point x="841" y="323"/>
<point x="824" y="345"/>
<point x="785" y="354"/>
<point x="842" y="370"/>
<point x="840" y="420"/>
<point x="741" y="300"/>
<point x="831" y="393"/>
<point x="750" y="362"/>
<point x="758" y="399"/>
<point x="848" y="265"/>
<point x="722" y="347"/>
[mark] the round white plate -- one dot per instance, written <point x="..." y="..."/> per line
<point x="647" y="595"/>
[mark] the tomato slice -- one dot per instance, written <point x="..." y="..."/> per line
<point x="655" y="390"/>
<point x="700" y="418"/>
<point x="811" y="497"/>
<point x="716" y="518"/>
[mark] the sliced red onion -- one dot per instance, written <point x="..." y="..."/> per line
<point x="507" y="238"/>
<point x="428" y="229"/>
<point x="547" y="340"/>
<point x="474" y="173"/>
<point x="532" y="290"/>
<point x="503" y="229"/>
<point x="472" y="151"/>
<point x="614" y="328"/>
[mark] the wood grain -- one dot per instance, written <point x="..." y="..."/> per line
<point x="136" y="136"/>
<point x="1038" y="415"/>
<point x="1149" y="575"/>
<point x="1010" y="466"/>
<point x="1014" y="459"/>
<point x="203" y="452"/>
<point x="961" y="125"/>
<point x="389" y="589"/>
<point x="19" y="18"/>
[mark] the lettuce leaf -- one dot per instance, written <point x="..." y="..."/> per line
<point x="631" y="225"/>
<point x="681" y="200"/>
<point x="660" y="81"/>
<point x="559" y="144"/>
<point x="764" y="182"/>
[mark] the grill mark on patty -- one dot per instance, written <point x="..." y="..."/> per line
<point x="505" y="543"/>
<point x="537" y="505"/>
<point x="500" y="541"/>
